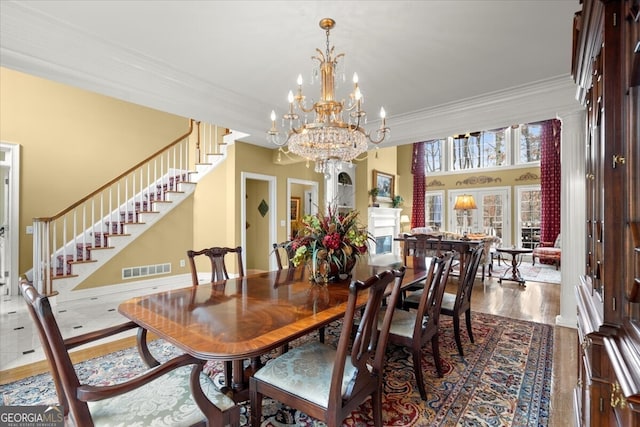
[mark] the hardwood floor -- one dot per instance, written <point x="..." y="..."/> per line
<point x="537" y="302"/>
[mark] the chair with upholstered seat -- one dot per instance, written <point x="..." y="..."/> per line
<point x="216" y="256"/>
<point x="329" y="383"/>
<point x="160" y="396"/>
<point x="284" y="255"/>
<point x="422" y="245"/>
<point x="419" y="245"/>
<point x="548" y="252"/>
<point x="414" y="328"/>
<point x="460" y="302"/>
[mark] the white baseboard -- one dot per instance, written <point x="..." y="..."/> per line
<point x="141" y="286"/>
<point x="567" y="323"/>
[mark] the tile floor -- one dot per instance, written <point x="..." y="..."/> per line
<point x="19" y="339"/>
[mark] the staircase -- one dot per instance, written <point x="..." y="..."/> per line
<point x="74" y="243"/>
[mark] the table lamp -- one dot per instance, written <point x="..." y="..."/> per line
<point x="463" y="203"/>
<point x="404" y="220"/>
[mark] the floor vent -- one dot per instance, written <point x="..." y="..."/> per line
<point x="145" y="270"/>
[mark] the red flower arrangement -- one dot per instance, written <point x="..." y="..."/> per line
<point x="330" y="242"/>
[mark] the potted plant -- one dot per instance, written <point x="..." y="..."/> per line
<point x="374" y="194"/>
<point x="329" y="244"/>
<point x="396" y="202"/>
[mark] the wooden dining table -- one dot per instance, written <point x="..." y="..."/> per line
<point x="246" y="317"/>
<point x="461" y="246"/>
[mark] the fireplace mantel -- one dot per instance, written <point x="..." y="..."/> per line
<point x="384" y="223"/>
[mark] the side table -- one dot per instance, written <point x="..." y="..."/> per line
<point x="513" y="274"/>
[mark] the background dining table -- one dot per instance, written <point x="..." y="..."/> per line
<point x="246" y="317"/>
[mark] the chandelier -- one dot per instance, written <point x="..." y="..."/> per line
<point x="326" y="136"/>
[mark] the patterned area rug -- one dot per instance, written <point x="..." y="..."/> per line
<point x="504" y="379"/>
<point x="535" y="273"/>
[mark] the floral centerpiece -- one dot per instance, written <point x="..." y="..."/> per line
<point x="329" y="244"/>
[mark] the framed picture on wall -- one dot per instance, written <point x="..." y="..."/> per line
<point x="295" y="209"/>
<point x="385" y="184"/>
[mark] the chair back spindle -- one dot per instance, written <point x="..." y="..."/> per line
<point x="341" y="378"/>
<point x="456" y="305"/>
<point x="216" y="256"/>
<point x="112" y="404"/>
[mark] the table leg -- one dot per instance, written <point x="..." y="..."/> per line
<point x="515" y="272"/>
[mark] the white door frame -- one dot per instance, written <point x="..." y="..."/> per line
<point x="519" y="189"/>
<point x="476" y="213"/>
<point x="12" y="233"/>
<point x="273" y="209"/>
<point x="314" y="197"/>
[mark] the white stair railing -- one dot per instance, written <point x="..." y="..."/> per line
<point x="69" y="236"/>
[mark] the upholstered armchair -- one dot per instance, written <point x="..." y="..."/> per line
<point x="548" y="251"/>
<point x="486" y="260"/>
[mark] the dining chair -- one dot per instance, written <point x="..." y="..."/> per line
<point x="284" y="255"/>
<point x="217" y="256"/>
<point x="327" y="382"/>
<point x="460" y="302"/>
<point x="414" y="328"/>
<point x="422" y="244"/>
<point x="161" y="396"/>
<point x="419" y="245"/>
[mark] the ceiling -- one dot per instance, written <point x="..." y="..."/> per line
<point x="437" y="67"/>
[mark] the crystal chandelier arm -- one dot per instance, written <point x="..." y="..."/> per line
<point x="327" y="137"/>
<point x="299" y="98"/>
<point x="382" y="131"/>
<point x="382" y="134"/>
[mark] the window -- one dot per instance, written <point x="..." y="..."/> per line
<point x="433" y="155"/>
<point x="514" y="145"/>
<point x="529" y="142"/>
<point x="433" y="209"/>
<point x="491" y="216"/>
<point x="492" y="221"/>
<point x="478" y="150"/>
<point x="529" y="215"/>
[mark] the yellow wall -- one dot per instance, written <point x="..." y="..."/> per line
<point x="73" y="141"/>
<point x="167" y="241"/>
<point x="404" y="185"/>
<point x="254" y="159"/>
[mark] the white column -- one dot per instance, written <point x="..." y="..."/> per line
<point x="330" y="186"/>
<point x="572" y="213"/>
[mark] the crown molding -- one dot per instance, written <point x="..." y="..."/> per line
<point x="533" y="102"/>
<point x="61" y="53"/>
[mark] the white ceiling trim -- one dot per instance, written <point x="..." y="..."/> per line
<point x="97" y="65"/>
<point x="537" y="101"/>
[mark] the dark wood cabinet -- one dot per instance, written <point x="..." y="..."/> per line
<point x="606" y="67"/>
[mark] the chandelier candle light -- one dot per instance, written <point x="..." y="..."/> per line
<point x="327" y="137"/>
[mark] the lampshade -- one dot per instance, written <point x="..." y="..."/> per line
<point x="464" y="202"/>
<point x="404" y="219"/>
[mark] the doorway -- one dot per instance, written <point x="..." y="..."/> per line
<point x="258" y="212"/>
<point x="492" y="216"/>
<point x="307" y="194"/>
<point x="9" y="219"/>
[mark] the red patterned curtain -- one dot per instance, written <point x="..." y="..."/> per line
<point x="417" y="169"/>
<point x="550" y="180"/>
